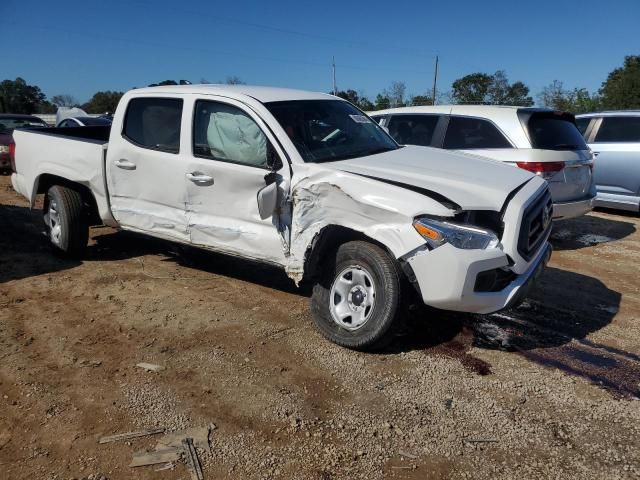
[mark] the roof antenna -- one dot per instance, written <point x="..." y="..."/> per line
<point x="185" y="82"/>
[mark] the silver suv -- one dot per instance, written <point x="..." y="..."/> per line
<point x="543" y="141"/>
<point x="614" y="138"/>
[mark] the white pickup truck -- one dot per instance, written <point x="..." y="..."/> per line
<point x="304" y="181"/>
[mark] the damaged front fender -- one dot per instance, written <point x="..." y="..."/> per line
<point x="377" y="210"/>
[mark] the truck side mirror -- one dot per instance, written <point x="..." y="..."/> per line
<point x="268" y="200"/>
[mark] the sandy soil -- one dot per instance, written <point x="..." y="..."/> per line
<point x="549" y="390"/>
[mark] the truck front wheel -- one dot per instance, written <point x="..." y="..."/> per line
<point x="65" y="221"/>
<point x="356" y="302"/>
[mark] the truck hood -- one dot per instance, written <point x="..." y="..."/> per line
<point x="468" y="181"/>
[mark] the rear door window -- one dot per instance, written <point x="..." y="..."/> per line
<point x="619" y="130"/>
<point x="555" y="131"/>
<point x="413" y="129"/>
<point x="154" y="123"/>
<point x="582" y="124"/>
<point x="467" y="133"/>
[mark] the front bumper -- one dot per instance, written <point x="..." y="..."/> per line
<point x="446" y="278"/>
<point x="573" y="209"/>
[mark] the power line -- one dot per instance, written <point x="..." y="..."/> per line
<point x="394" y="49"/>
<point x="209" y="50"/>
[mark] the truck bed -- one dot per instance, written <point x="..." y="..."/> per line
<point x="74" y="154"/>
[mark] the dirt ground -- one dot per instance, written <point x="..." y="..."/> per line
<point x="549" y="390"/>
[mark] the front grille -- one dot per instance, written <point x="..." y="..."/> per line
<point x="536" y="223"/>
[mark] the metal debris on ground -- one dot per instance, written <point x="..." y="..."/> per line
<point x="199" y="435"/>
<point x="150" y="367"/>
<point x="145" y="457"/>
<point x="192" y="459"/>
<point x="130" y="435"/>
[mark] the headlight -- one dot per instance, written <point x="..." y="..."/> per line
<point x="4" y="148"/>
<point x="439" y="232"/>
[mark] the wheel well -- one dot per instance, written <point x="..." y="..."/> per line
<point x="326" y="242"/>
<point x="46" y="181"/>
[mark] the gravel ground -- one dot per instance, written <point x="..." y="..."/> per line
<point x="549" y="390"/>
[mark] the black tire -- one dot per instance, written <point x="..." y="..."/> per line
<point x="71" y="238"/>
<point x="380" y="327"/>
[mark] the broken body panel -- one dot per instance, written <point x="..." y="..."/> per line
<point x="214" y="204"/>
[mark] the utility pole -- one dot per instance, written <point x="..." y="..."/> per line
<point x="435" y="82"/>
<point x="334" y="76"/>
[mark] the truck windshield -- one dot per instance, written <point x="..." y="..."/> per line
<point x="330" y="130"/>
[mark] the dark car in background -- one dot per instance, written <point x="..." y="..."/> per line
<point x="102" y="121"/>
<point x="8" y="123"/>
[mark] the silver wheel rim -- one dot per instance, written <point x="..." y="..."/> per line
<point x="53" y="222"/>
<point x="353" y="297"/>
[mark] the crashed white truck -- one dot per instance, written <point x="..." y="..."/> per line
<point x="304" y="181"/>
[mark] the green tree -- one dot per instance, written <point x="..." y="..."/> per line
<point x="621" y="90"/>
<point x="482" y="88"/>
<point x="420" y="100"/>
<point x="103" y="102"/>
<point x="472" y="88"/>
<point x="382" y="102"/>
<point x="578" y="100"/>
<point x="16" y="96"/>
<point x="358" y="99"/>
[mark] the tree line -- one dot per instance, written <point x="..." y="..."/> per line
<point x="620" y="90"/>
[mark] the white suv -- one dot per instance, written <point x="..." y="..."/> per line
<point x="543" y="141"/>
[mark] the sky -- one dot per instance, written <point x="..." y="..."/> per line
<point x="80" y="47"/>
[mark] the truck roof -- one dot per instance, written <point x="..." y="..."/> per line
<point x="262" y="94"/>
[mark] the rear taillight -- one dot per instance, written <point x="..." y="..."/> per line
<point x="12" y="156"/>
<point x="544" y="169"/>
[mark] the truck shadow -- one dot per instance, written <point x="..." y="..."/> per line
<point x="550" y="329"/>
<point x="23" y="250"/>
<point x="589" y="230"/>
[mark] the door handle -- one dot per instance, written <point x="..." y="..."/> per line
<point x="125" y="164"/>
<point x="595" y="154"/>
<point x="198" y="177"/>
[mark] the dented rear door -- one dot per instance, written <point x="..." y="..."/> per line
<point x="146" y="165"/>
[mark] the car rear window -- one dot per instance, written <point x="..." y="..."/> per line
<point x="413" y="129"/>
<point x="619" y="129"/>
<point x="466" y="133"/>
<point x="555" y="131"/>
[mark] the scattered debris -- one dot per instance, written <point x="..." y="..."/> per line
<point x="407" y="455"/>
<point x="192" y="459"/>
<point x="89" y="363"/>
<point x="150" y="367"/>
<point x="145" y="457"/>
<point x="402" y="467"/>
<point x="130" y="435"/>
<point x="167" y="466"/>
<point x="199" y="436"/>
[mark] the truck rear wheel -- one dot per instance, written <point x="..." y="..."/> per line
<point x="65" y="221"/>
<point x="356" y="302"/>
